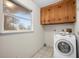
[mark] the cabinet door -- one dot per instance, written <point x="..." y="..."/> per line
<point x="71" y="11"/>
<point x="65" y="12"/>
<point x="61" y="13"/>
<point x="42" y="15"/>
<point x="58" y="13"/>
<point x="56" y="16"/>
<point x="52" y="16"/>
<point x="45" y="16"/>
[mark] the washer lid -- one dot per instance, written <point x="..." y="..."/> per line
<point x="65" y="47"/>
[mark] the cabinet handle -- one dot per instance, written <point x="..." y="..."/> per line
<point x="74" y="17"/>
<point x="64" y="17"/>
<point x="67" y="17"/>
<point x="48" y="9"/>
<point x="59" y="6"/>
<point x="48" y="20"/>
<point x="59" y="19"/>
<point x="73" y="2"/>
<point x="44" y="21"/>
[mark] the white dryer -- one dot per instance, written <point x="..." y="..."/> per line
<point x="64" y="46"/>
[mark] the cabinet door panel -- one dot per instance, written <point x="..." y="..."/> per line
<point x="42" y="15"/>
<point x="52" y="16"/>
<point x="65" y="11"/>
<point x="47" y="16"/>
<point x="71" y="11"/>
<point x="56" y="16"/>
<point x="59" y="14"/>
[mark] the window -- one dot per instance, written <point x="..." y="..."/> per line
<point x="16" y="17"/>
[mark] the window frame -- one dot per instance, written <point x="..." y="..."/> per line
<point x="16" y="31"/>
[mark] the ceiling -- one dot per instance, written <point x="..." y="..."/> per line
<point x="42" y="3"/>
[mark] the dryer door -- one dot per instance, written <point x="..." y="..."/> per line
<point x="64" y="47"/>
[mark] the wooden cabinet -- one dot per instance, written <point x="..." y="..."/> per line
<point x="62" y="12"/>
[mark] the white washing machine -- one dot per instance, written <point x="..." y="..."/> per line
<point x="64" y="46"/>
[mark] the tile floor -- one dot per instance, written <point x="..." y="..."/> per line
<point x="45" y="52"/>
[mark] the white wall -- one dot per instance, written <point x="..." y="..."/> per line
<point x="77" y="22"/>
<point x="23" y="44"/>
<point x="49" y="32"/>
<point x="77" y="26"/>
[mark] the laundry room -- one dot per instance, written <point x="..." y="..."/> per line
<point x="39" y="29"/>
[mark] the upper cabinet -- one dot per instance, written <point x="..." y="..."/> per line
<point x="59" y="13"/>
